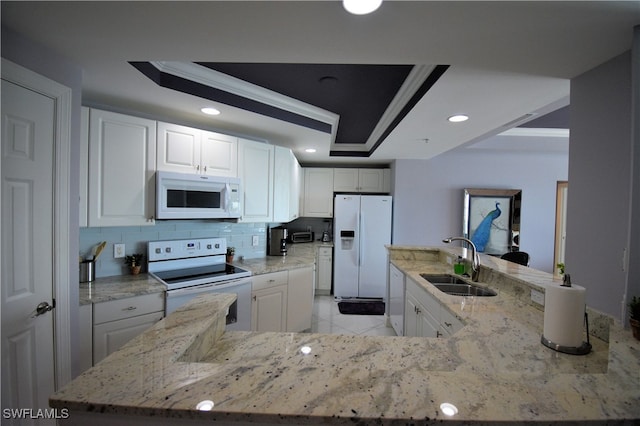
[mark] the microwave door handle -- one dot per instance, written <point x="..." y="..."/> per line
<point x="227" y="196"/>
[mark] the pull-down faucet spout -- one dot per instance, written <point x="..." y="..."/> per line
<point x="475" y="259"/>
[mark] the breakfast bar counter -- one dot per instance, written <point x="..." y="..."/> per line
<point x="492" y="370"/>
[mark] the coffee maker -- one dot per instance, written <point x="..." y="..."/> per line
<point x="277" y="241"/>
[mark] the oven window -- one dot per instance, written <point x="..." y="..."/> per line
<point x="193" y="199"/>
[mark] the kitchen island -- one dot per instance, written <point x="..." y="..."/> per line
<point x="493" y="369"/>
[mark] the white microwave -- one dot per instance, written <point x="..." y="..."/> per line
<point x="186" y="196"/>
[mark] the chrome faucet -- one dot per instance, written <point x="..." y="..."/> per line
<point x="475" y="261"/>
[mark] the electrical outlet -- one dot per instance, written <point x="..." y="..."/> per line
<point x="255" y="240"/>
<point x="537" y="297"/>
<point x="118" y="250"/>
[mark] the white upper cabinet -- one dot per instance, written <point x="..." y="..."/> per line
<point x="360" y="180"/>
<point x="318" y="192"/>
<point x="187" y="150"/>
<point x="218" y="154"/>
<point x="255" y="169"/>
<point x="84" y="168"/>
<point x="286" y="187"/>
<point x="122" y="164"/>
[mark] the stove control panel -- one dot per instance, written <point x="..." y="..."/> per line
<point x="185" y="249"/>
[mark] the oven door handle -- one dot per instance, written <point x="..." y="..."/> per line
<point x="204" y="288"/>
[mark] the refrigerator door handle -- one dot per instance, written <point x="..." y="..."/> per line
<point x="360" y="238"/>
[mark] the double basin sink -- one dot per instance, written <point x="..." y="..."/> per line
<point x="456" y="286"/>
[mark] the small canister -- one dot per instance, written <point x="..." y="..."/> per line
<point x="87" y="271"/>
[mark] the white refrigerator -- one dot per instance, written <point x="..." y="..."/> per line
<point x="362" y="227"/>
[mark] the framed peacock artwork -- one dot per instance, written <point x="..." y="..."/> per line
<point x="491" y="219"/>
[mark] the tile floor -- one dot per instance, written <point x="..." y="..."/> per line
<point x="328" y="319"/>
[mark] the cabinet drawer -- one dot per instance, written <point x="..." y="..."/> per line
<point x="260" y="282"/>
<point x="127" y="308"/>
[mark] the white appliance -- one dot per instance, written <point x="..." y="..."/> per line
<point x="191" y="196"/>
<point x="362" y="227"/>
<point x="189" y="268"/>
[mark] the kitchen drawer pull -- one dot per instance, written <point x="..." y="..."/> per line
<point x="130" y="308"/>
<point x="448" y="324"/>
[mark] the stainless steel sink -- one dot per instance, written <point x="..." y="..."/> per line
<point x="456" y="286"/>
<point x="465" y="290"/>
<point x="443" y="279"/>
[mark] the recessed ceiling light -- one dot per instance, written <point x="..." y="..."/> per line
<point x="361" y="7"/>
<point x="210" y="111"/>
<point x="310" y="150"/>
<point x="206" y="405"/>
<point x="459" y="118"/>
<point x="448" y="409"/>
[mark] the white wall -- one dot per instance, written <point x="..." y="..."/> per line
<point x="428" y="196"/>
<point x="598" y="209"/>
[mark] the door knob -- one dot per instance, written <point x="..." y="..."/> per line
<point x="42" y="308"/>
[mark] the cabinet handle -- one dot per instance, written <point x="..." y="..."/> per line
<point x="254" y="297"/>
<point x="130" y="308"/>
<point x="418" y="310"/>
<point x="205" y="169"/>
<point x="448" y="324"/>
<point x="198" y="167"/>
<point x="438" y="334"/>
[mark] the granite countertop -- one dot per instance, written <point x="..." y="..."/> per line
<point x="493" y="369"/>
<point x="123" y="286"/>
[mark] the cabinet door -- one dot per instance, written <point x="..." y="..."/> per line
<point x="219" y="154"/>
<point x="269" y="309"/>
<point x="122" y="163"/>
<point x="396" y="299"/>
<point x="84" y="168"/>
<point x="300" y="299"/>
<point x="410" y="316"/>
<point x="371" y="180"/>
<point x="85" y="338"/>
<point x="427" y="325"/>
<point x="325" y="263"/>
<point x="283" y="169"/>
<point x="255" y="168"/>
<point x="318" y="192"/>
<point x="178" y="148"/>
<point x="110" y="336"/>
<point x="345" y="180"/>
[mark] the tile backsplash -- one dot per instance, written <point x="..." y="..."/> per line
<point x="135" y="238"/>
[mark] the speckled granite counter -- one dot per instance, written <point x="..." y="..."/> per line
<point x="123" y="286"/>
<point x="493" y="370"/>
<point x="298" y="256"/>
<point x="118" y="287"/>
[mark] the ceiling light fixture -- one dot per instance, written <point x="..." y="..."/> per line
<point x="210" y="111"/>
<point x="448" y="409"/>
<point x="361" y="7"/>
<point x="206" y="405"/>
<point x="458" y="118"/>
<point x="310" y="150"/>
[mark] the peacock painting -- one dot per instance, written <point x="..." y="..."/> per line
<point x="481" y="236"/>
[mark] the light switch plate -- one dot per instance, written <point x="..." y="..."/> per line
<point x="255" y="240"/>
<point x="118" y="250"/>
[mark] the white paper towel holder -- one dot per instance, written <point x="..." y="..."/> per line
<point x="584" y="348"/>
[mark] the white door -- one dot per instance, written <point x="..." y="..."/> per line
<point x="28" y="141"/>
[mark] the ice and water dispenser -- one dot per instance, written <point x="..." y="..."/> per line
<point x="346" y="239"/>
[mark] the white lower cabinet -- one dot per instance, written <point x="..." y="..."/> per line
<point x="85" y="338"/>
<point x="300" y="299"/>
<point x="324" y="270"/>
<point x="424" y="316"/>
<point x="282" y="301"/>
<point x="118" y="321"/>
<point x="269" y="302"/>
